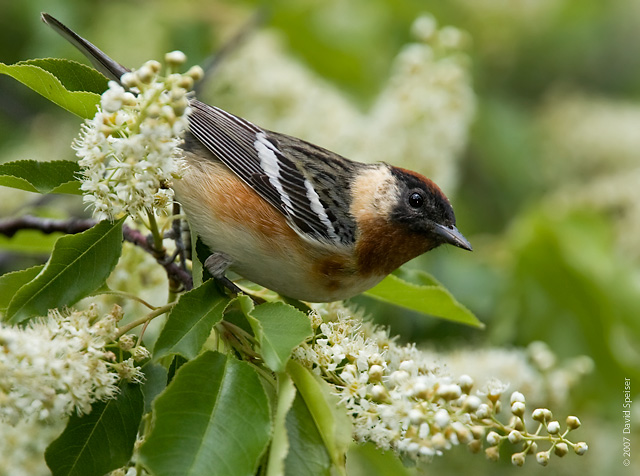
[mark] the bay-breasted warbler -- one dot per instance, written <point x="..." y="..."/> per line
<point x="291" y="216"/>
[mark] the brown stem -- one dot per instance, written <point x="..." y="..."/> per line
<point x="10" y="226"/>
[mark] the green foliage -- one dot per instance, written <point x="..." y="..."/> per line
<point x="190" y="322"/>
<point x="424" y="295"/>
<point x="10" y="283"/>
<point x="79" y="265"/>
<point x="29" y="242"/>
<point x="211" y="399"/>
<point x="332" y="423"/>
<point x="41" y="177"/>
<point x="72" y="86"/>
<point x="94" y="444"/>
<point x="570" y="289"/>
<point x="307" y="453"/>
<point x="279" y="328"/>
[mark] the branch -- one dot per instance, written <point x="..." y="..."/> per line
<point x="10" y="226"/>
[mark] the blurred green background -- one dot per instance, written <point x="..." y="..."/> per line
<point x="547" y="187"/>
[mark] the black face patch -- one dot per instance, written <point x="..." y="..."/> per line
<point x="421" y="204"/>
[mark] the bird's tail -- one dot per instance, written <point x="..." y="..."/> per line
<point x="110" y="68"/>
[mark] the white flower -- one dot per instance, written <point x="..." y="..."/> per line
<point x="55" y="366"/>
<point x="129" y="152"/>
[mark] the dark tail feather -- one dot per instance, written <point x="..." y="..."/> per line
<point x="100" y="61"/>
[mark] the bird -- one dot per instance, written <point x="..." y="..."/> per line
<point x="292" y="216"/>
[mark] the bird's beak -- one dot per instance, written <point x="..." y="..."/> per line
<point x="452" y="236"/>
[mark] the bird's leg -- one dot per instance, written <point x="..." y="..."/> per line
<point x="217" y="264"/>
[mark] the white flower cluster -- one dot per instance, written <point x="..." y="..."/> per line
<point x="58" y="365"/>
<point x="399" y="400"/>
<point x="22" y="446"/>
<point x="396" y="398"/>
<point x="419" y="120"/>
<point x="129" y="151"/>
<point x="591" y="157"/>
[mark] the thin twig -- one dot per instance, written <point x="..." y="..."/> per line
<point x="144" y="319"/>
<point x="10" y="226"/>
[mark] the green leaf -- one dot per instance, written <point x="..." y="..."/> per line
<point x="307" y="456"/>
<point x="280" y="328"/>
<point x="190" y="321"/>
<point x="212" y="420"/>
<point x="72" y="86"/>
<point x="427" y="297"/>
<point x="367" y="460"/>
<point x="11" y="282"/>
<point x="330" y="418"/>
<point x="155" y="381"/>
<point x="101" y="441"/>
<point x="30" y="242"/>
<point x="78" y="266"/>
<point x="280" y="442"/>
<point x="58" y="176"/>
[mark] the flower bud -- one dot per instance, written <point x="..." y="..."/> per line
<point x="196" y="73"/>
<point x="462" y="432"/>
<point x="129" y="80"/>
<point x="493" y="438"/>
<point x="466" y="383"/>
<point x="561" y="449"/>
<point x="517" y="408"/>
<point x="375" y="373"/>
<point x="580" y="448"/>
<point x="186" y="82"/>
<point x="471" y="403"/>
<point x="573" y="422"/>
<point x="477" y="431"/>
<point x="145" y="73"/>
<point x="175" y="58"/>
<point x="553" y="427"/>
<point x="379" y="393"/>
<point x="542" y="458"/>
<point x="493" y="453"/>
<point x="483" y="411"/>
<point x="416" y="416"/>
<point x="515" y="437"/>
<point x="517" y="397"/>
<point x="475" y="446"/>
<point x="442" y="418"/>
<point x="539" y="414"/>
<point x="517" y="459"/>
<point x="449" y="392"/>
<point x="407" y="365"/>
<point x="126" y="342"/>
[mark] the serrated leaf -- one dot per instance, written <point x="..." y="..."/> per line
<point x="330" y="419"/>
<point x="212" y="420"/>
<point x="190" y="321"/>
<point x="78" y="266"/>
<point x="428" y="298"/>
<point x="58" y="176"/>
<point x="280" y="328"/>
<point x="101" y="441"/>
<point x="280" y="441"/>
<point x="11" y="282"/>
<point x="307" y="456"/>
<point x="71" y="85"/>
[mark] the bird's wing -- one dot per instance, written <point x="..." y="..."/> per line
<point x="256" y="156"/>
<point x="297" y="191"/>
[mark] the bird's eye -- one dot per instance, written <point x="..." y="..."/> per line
<point x="416" y="200"/>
